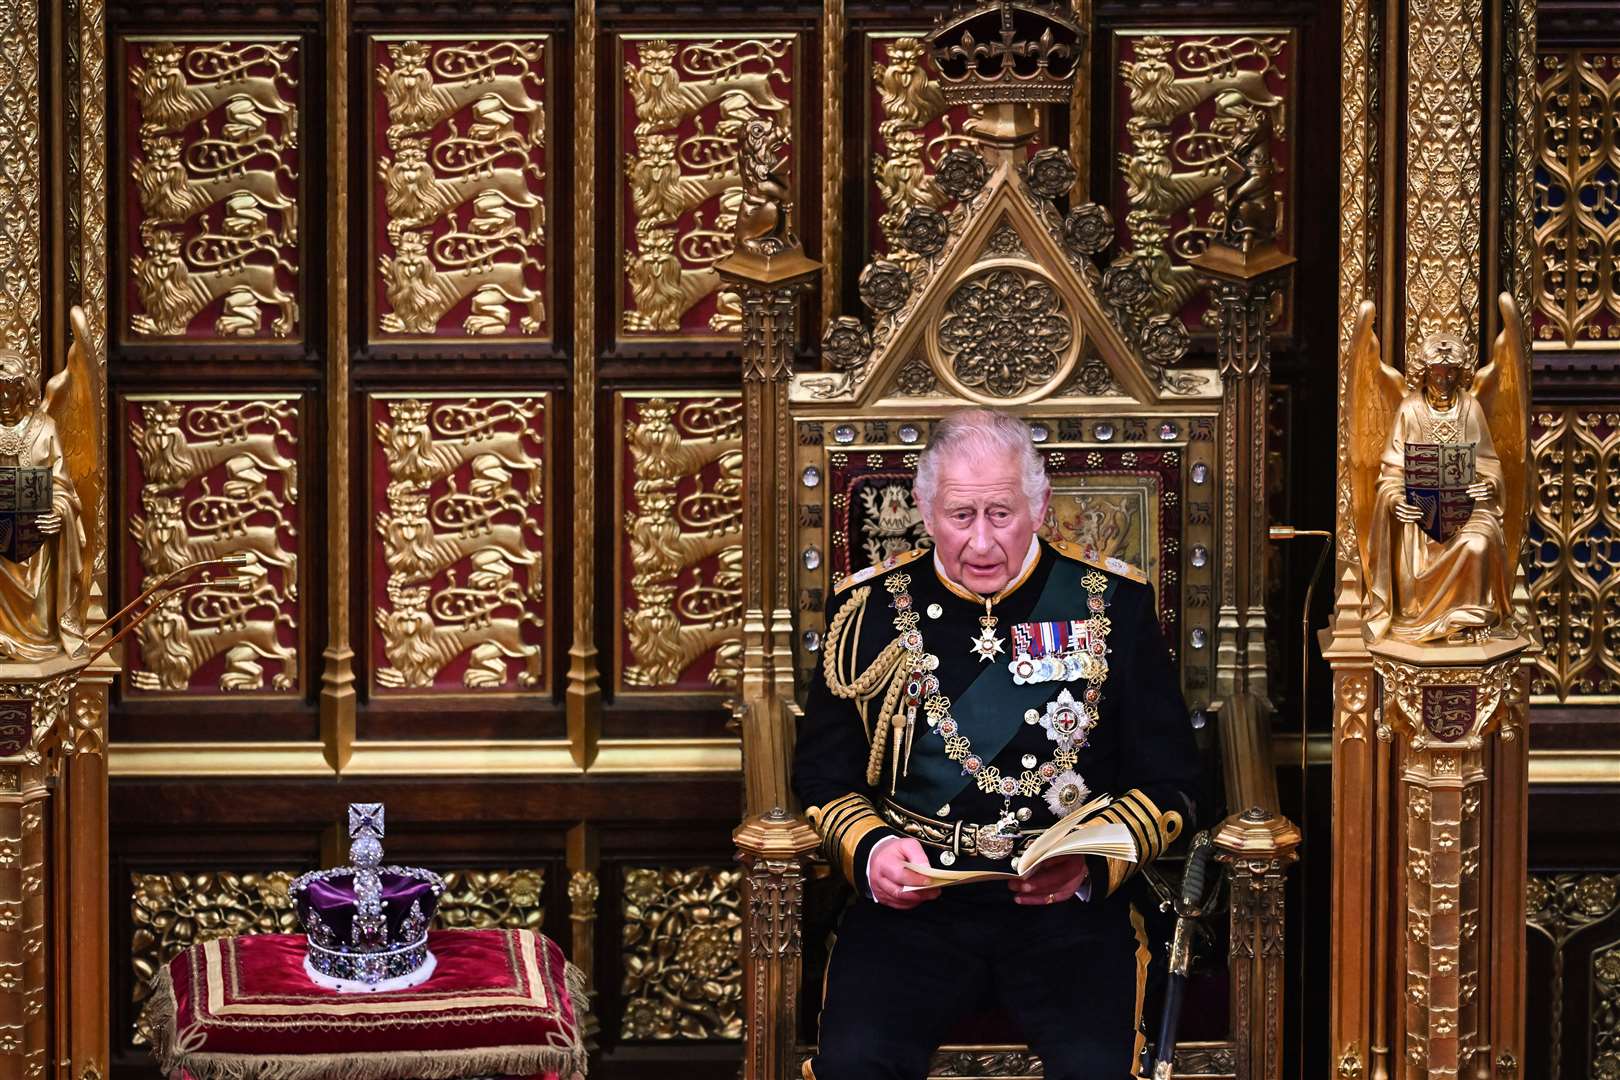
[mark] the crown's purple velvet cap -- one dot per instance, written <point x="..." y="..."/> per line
<point x="332" y="899"/>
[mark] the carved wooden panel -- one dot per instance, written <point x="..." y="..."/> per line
<point x="1573" y="974"/>
<point x="459" y="187"/>
<point x="683" y="98"/>
<point x="679" y="574"/>
<point x="908" y="128"/>
<point x="682" y="954"/>
<point x="211" y="194"/>
<point x="207" y="476"/>
<point x="22" y="149"/>
<point x="1577" y="192"/>
<point x="1574" y="566"/>
<point x="459" y="553"/>
<point x="1175" y="92"/>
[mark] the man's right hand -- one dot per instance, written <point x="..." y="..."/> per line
<point x="886" y="874"/>
<point x="1407" y="512"/>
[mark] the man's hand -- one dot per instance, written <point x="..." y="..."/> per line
<point x="49" y="524"/>
<point x="886" y="874"/>
<point x="1057" y="880"/>
<point x="1480" y="489"/>
<point x="1407" y="512"/>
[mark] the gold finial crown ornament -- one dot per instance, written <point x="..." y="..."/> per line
<point x="1009" y="51"/>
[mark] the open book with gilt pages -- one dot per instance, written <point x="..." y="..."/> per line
<point x="1071" y="835"/>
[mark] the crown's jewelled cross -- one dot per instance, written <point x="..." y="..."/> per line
<point x="365" y="817"/>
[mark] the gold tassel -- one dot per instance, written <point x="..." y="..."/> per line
<point x="899" y="723"/>
<point x="874" y="759"/>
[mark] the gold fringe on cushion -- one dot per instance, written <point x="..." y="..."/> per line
<point x="174" y="1051"/>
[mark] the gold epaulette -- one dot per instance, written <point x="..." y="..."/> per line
<point x="1092" y="557"/>
<point x="875" y="569"/>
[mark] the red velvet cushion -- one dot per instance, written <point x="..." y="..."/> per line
<point x="501" y="1002"/>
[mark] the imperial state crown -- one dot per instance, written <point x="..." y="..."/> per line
<point x="367" y="924"/>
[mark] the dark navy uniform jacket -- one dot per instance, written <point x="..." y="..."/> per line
<point x="1140" y="752"/>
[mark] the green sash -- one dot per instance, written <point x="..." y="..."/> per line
<point x="991" y="708"/>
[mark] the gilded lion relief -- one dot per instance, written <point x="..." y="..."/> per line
<point x="909" y="127"/>
<point x="684" y="99"/>
<point x="680" y="561"/>
<point x="1180" y="100"/>
<point x="211" y="191"/>
<point x="458" y="560"/>
<point x="459" y="187"/>
<point x="205" y="478"/>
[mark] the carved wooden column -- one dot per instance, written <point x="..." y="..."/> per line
<point x="1246" y="281"/>
<point x="773" y="849"/>
<point x="769" y="286"/>
<point x="1448" y="711"/>
<point x="768" y="270"/>
<point x="1257" y="847"/>
<point x="1435" y="213"/>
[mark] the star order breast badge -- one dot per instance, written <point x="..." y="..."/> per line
<point x="986" y="644"/>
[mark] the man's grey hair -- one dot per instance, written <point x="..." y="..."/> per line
<point x="981" y="434"/>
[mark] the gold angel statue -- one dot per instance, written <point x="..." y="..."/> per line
<point x="45" y="592"/>
<point x="1439" y="484"/>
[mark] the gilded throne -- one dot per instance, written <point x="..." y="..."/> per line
<point x="999" y="298"/>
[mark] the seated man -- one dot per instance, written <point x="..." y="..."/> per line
<point x="970" y="696"/>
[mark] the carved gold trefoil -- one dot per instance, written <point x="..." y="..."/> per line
<point x="1188" y="93"/>
<point x="682" y="954"/>
<point x="463" y="541"/>
<point x="1576" y="299"/>
<point x="682" y="491"/>
<point x="461" y="190"/>
<point x="215" y="175"/>
<point x="1006" y="331"/>
<point x="690" y="98"/>
<point x="1574" y="526"/>
<point x="216" y="477"/>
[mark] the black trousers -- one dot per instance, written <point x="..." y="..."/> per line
<point x="1070" y="975"/>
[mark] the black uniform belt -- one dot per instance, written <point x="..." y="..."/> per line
<point x="958" y="837"/>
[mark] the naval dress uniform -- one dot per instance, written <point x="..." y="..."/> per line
<point x="971" y="723"/>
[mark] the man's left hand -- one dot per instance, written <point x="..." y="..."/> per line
<point x="1057" y="880"/>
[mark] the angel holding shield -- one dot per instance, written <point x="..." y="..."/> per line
<point x="45" y="595"/>
<point x="1438" y="483"/>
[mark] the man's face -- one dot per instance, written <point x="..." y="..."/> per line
<point x="981" y="521"/>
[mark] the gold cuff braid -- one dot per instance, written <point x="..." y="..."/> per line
<point x="843" y="824"/>
<point x="1152" y="829"/>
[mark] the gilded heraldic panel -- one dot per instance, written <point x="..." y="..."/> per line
<point x="680" y="559"/>
<point x="211" y="193"/>
<point x="1577" y="200"/>
<point x="683" y="102"/>
<point x="1180" y="99"/>
<point x="682" y="954"/>
<point x="459" y="186"/>
<point x="1574" y="548"/>
<point x="909" y="127"/>
<point x="458" y="551"/>
<point x="209" y="477"/>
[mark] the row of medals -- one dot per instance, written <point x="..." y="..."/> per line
<point x="1067" y="721"/>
